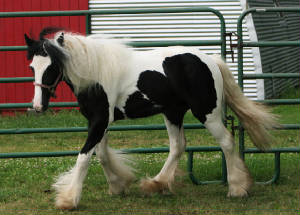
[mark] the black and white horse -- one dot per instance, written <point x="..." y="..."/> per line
<point x="113" y="82"/>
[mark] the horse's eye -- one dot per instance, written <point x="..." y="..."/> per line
<point x="44" y="54"/>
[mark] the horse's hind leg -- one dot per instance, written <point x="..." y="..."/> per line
<point x="238" y="176"/>
<point x="164" y="180"/>
<point x="118" y="174"/>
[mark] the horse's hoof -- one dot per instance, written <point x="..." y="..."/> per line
<point x="238" y="192"/>
<point x="149" y="186"/>
<point x="64" y="204"/>
<point x="66" y="200"/>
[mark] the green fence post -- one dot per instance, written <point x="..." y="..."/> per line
<point x="88" y="24"/>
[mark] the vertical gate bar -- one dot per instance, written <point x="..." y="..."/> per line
<point x="240" y="81"/>
<point x="277" y="167"/>
<point x="190" y="162"/>
<point x="223" y="36"/>
<point x="241" y="141"/>
<point x="224" y="169"/>
<point x="223" y="54"/>
<point x="88" y="24"/>
<point x="276" y="170"/>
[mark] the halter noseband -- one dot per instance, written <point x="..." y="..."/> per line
<point x="51" y="88"/>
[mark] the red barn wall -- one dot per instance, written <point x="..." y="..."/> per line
<point x="14" y="63"/>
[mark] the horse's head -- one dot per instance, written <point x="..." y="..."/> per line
<point x="47" y="65"/>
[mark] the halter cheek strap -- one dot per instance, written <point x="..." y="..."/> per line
<point x="51" y="88"/>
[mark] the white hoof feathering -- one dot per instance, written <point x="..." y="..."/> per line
<point x="67" y="192"/>
<point x="67" y="199"/>
<point x="68" y="186"/>
<point x="240" y="181"/>
<point x="117" y="168"/>
<point x="149" y="186"/>
<point x="161" y="184"/>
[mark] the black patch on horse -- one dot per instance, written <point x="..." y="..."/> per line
<point x="92" y="100"/>
<point x="94" y="106"/>
<point x="138" y="106"/>
<point x="157" y="88"/>
<point x="192" y="81"/>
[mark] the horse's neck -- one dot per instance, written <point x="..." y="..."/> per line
<point x="108" y="61"/>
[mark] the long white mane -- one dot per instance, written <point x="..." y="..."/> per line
<point x="94" y="59"/>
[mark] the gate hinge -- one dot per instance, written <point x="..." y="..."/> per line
<point x="231" y="52"/>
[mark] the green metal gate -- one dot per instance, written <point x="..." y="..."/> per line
<point x="240" y="45"/>
<point x="189" y="150"/>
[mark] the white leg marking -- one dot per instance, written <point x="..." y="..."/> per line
<point x="165" y="179"/>
<point x="118" y="174"/>
<point x="69" y="185"/>
<point x="239" y="178"/>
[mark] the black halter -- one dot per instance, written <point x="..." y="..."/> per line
<point x="51" y="88"/>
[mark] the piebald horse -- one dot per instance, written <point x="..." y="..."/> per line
<point x="113" y="82"/>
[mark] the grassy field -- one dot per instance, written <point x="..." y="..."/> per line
<point x="25" y="184"/>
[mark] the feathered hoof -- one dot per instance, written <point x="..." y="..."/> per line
<point x="65" y="202"/>
<point x="150" y="186"/>
<point x="116" y="190"/>
<point x="121" y="185"/>
<point x="241" y="190"/>
<point x="240" y="181"/>
<point x="67" y="198"/>
<point x="237" y="192"/>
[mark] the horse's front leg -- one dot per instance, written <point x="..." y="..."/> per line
<point x="68" y="186"/>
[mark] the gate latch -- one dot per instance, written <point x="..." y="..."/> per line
<point x="231" y="52"/>
<point x="230" y="118"/>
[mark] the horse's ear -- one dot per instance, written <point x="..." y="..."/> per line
<point x="28" y="41"/>
<point x="60" y="40"/>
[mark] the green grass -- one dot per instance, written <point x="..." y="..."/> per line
<point x="25" y="184"/>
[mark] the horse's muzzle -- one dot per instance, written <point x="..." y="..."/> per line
<point x="40" y="108"/>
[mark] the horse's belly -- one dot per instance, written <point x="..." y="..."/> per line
<point x="138" y="106"/>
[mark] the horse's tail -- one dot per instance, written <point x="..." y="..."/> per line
<point x="256" y="118"/>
